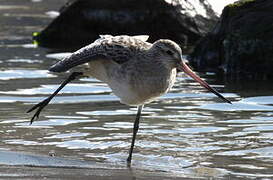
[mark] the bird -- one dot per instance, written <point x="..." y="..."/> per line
<point x="137" y="71"/>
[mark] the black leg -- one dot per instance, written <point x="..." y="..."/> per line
<point x="45" y="102"/>
<point x="136" y="125"/>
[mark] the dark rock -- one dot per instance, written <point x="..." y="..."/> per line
<point x="241" y="44"/>
<point x="82" y="21"/>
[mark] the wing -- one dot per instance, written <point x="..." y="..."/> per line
<point x="139" y="37"/>
<point x="113" y="48"/>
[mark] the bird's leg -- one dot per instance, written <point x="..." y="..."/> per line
<point x="45" y="102"/>
<point x="135" y="129"/>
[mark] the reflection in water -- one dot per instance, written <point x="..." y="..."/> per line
<point x="187" y="131"/>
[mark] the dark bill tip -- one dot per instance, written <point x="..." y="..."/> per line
<point x="203" y="83"/>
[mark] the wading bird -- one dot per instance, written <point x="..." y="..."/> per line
<point x="135" y="70"/>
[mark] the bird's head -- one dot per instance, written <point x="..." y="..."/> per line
<point x="170" y="55"/>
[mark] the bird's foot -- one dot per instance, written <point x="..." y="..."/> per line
<point x="129" y="162"/>
<point x="40" y="107"/>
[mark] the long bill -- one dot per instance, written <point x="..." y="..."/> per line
<point x="189" y="72"/>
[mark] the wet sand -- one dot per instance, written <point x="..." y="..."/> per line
<point x="16" y="165"/>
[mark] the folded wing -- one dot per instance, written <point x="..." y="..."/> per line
<point x="116" y="48"/>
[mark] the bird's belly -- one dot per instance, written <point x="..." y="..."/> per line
<point x="142" y="91"/>
<point x="126" y="95"/>
<point x="131" y="96"/>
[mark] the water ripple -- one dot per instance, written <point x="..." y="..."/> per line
<point x="236" y="106"/>
<point x="70" y="88"/>
<point x="23" y="74"/>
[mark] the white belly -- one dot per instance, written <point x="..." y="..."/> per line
<point x="142" y="90"/>
<point x="125" y="93"/>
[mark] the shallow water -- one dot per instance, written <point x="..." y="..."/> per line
<point x="188" y="131"/>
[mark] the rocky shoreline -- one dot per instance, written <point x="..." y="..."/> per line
<point x="236" y="46"/>
<point x="241" y="44"/>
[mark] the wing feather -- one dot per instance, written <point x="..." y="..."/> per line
<point x="113" y="48"/>
<point x="73" y="61"/>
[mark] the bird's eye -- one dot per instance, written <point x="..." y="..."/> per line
<point x="169" y="52"/>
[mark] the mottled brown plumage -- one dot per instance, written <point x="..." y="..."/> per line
<point x="117" y="48"/>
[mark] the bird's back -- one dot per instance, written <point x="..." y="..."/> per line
<point x="119" y="49"/>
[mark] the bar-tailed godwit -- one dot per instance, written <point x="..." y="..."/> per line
<point x="137" y="71"/>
